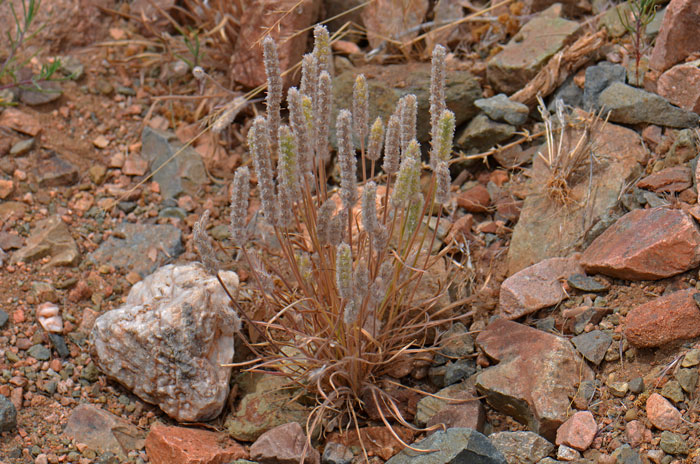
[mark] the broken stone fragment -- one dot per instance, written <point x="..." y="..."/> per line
<point x="168" y="342"/>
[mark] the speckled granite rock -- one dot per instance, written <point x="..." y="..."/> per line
<point x="167" y="343"/>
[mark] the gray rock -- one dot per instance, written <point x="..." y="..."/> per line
<point x="673" y="391"/>
<point x="521" y="447"/>
<point x="169" y="340"/>
<point x="457" y="342"/>
<point x="593" y="345"/>
<point x="56" y="171"/>
<point x="59" y="343"/>
<point x="4" y="317"/>
<point x="336" y="453"/>
<point x="172" y="212"/>
<point x="40" y="93"/>
<point x="454" y="446"/>
<point x="183" y="173"/>
<point x="387" y="84"/>
<point x="501" y="108"/>
<point x="141" y="242"/>
<point x="587" y="283"/>
<point x="654" y="26"/>
<point x="564" y="453"/>
<point x="482" y="133"/>
<point x="599" y="78"/>
<point x="672" y="443"/>
<point x="50" y="237"/>
<point x="39" y="352"/>
<point x="569" y="93"/>
<point x="8" y="415"/>
<point x="72" y="67"/>
<point x="636" y="385"/>
<point x="688" y="379"/>
<point x="22" y="147"/>
<point x="629" y="105"/>
<point x="459" y="370"/>
<point x="104" y="432"/>
<point x="691" y="358"/>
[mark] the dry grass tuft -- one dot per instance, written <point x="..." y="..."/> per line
<point x="569" y="150"/>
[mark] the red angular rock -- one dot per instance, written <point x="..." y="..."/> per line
<point x="536" y="286"/>
<point x="475" y="199"/>
<point x="645" y="244"/>
<point x="662" y="413"/>
<point x="635" y="431"/>
<point x="181" y="445"/>
<point x="20" y="121"/>
<point x="288" y="18"/>
<point x="470" y="415"/>
<point x="663" y="320"/>
<point x="393" y="19"/>
<point x="678" y="36"/>
<point x="577" y="432"/>
<point x="671" y="180"/>
<point x="535" y="377"/>
<point x="283" y="444"/>
<point x="6" y="188"/>
<point x="679" y="85"/>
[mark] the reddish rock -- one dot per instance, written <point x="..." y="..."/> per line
<point x="134" y="165"/>
<point x="679" y="85"/>
<point x="461" y="229"/>
<point x="536" y="286"/>
<point x="678" y="36"/>
<point x="288" y="18"/>
<point x="662" y="413"/>
<point x="20" y="121"/>
<point x="169" y="445"/>
<point x="635" y="431"/>
<point x="475" y="199"/>
<point x="671" y="180"/>
<point x="6" y="188"/>
<point x="645" y="244"/>
<point x="663" y="320"/>
<point x="578" y="432"/>
<point x="470" y="415"/>
<point x="536" y="374"/>
<point x="393" y="19"/>
<point x="103" y="431"/>
<point x="652" y="135"/>
<point x="508" y="209"/>
<point x="570" y="7"/>
<point x="283" y="444"/>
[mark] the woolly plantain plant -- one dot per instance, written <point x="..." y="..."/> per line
<point x="344" y="304"/>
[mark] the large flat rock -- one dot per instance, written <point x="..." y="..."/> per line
<point x="536" y="375"/>
<point x="645" y="244"/>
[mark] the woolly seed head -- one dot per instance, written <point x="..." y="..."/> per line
<point x="259" y="146"/>
<point x="445" y="133"/>
<point x="409" y="116"/>
<point x="408" y="179"/>
<point x="289" y="162"/>
<point x="360" y="106"/>
<point x="239" y="205"/>
<point x="322" y="48"/>
<point x="376" y="139"/>
<point x="369" y="208"/>
<point x="309" y="75"/>
<point x="442" y="191"/>
<point x="413" y="218"/>
<point x="346" y="157"/>
<point x="343" y="271"/>
<point x="198" y="73"/>
<point x="392" y="145"/>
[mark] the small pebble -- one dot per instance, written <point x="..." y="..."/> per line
<point x="587" y="284"/>
<point x="636" y="385"/>
<point x="691" y="358"/>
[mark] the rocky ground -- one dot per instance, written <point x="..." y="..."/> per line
<point x="583" y="346"/>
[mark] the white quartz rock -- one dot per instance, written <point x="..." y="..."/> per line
<point x="168" y="342"/>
